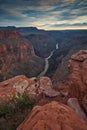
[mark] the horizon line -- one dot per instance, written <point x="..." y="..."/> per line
<point x="38" y="28"/>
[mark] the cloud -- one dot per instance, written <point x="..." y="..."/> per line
<point x="66" y="25"/>
<point x="44" y="14"/>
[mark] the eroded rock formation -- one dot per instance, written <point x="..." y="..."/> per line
<point x="75" y="84"/>
<point x="77" y="80"/>
<point x="53" y="116"/>
<point x="32" y="86"/>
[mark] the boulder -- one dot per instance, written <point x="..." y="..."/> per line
<point x="53" y="116"/>
<point x="47" y="87"/>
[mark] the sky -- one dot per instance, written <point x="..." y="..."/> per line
<point x="44" y="14"/>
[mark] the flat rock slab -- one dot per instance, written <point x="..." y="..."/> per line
<point x="74" y="104"/>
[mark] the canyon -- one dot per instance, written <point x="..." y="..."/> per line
<point x="71" y="91"/>
<point x="56" y="78"/>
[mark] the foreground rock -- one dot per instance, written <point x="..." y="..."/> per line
<point x="32" y="86"/>
<point x="74" y="104"/>
<point x="53" y="116"/>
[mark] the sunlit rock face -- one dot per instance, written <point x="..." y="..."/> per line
<point x="21" y="84"/>
<point x="17" y="56"/>
<point x="53" y="116"/>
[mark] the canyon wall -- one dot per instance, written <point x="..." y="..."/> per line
<point x="17" y="56"/>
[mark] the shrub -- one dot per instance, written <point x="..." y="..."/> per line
<point x="6" y="109"/>
<point x="17" y="104"/>
<point x="24" y="101"/>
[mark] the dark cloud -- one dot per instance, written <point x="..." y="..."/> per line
<point x="65" y="25"/>
<point x="43" y="13"/>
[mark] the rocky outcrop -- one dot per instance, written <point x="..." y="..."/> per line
<point x="47" y="87"/>
<point x="53" y="116"/>
<point x="32" y="86"/>
<point x="75" y="83"/>
<point x="17" y="56"/>
<point x="77" y="80"/>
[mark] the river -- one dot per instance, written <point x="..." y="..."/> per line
<point x="46" y="66"/>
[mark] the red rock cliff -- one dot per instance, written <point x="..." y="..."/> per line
<point x="77" y="80"/>
<point x="75" y="84"/>
<point x="17" y="55"/>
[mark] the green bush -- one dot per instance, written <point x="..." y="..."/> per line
<point x="16" y="104"/>
<point x="24" y="101"/>
<point x="6" y="109"/>
<point x="13" y="112"/>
